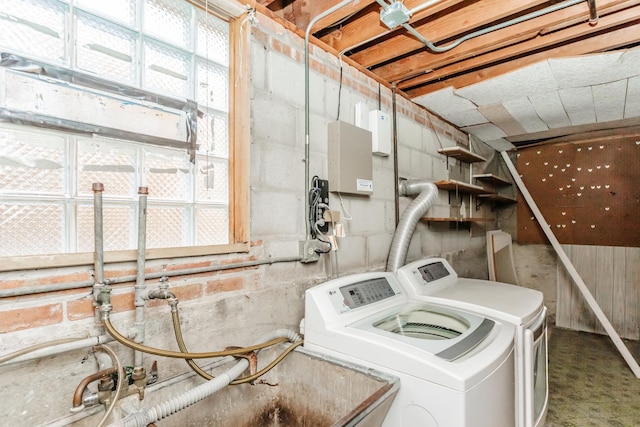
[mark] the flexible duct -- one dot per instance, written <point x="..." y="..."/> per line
<point x="190" y="397"/>
<point x="427" y="194"/>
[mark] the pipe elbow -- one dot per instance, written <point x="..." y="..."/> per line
<point x="77" y="404"/>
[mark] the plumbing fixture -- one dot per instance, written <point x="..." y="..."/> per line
<point x="140" y="287"/>
<point x="173" y="303"/>
<point x="98" y="253"/>
<point x="106" y="309"/>
<point x="162" y="291"/>
<point x="81" y="397"/>
<point x="57" y="287"/>
<point x="162" y="410"/>
<point x="427" y="194"/>
<point x="104" y="297"/>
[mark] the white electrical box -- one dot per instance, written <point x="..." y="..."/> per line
<point x="381" y="132"/>
<point x="361" y="111"/>
<point x="350" y="164"/>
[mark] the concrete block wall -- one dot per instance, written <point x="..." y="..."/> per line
<point x="233" y="307"/>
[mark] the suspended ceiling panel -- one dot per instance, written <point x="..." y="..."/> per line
<point x="519" y="71"/>
<point x="552" y="96"/>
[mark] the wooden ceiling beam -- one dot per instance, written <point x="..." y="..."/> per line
<point x="428" y="61"/>
<point x="368" y="26"/>
<point x="447" y="26"/>
<point x="597" y="43"/>
<point x="350" y="9"/>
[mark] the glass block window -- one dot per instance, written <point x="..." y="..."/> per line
<point x="164" y="47"/>
<point x="35" y="27"/>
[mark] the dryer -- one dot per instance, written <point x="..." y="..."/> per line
<point x="433" y="280"/>
<point x="455" y="367"/>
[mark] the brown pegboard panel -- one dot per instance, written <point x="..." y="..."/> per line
<point x="589" y="192"/>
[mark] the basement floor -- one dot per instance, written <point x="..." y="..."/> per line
<point x="590" y="384"/>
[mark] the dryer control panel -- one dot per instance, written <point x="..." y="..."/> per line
<point x="427" y="276"/>
<point x="433" y="271"/>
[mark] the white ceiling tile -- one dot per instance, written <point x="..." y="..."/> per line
<point x="522" y="110"/>
<point x="632" y="105"/>
<point x="578" y="103"/>
<point x="466" y="118"/>
<point x="550" y="109"/>
<point x="444" y="101"/>
<point x="486" y="132"/>
<point x="499" y="116"/>
<point x="609" y="99"/>
<point x="526" y="81"/>
<point x="500" y="144"/>
<point x="589" y="70"/>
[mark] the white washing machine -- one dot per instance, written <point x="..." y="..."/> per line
<point x="455" y="368"/>
<point x="433" y="280"/>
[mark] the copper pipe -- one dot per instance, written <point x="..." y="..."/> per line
<point x="77" y="395"/>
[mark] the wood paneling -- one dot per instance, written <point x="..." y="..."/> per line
<point x="612" y="275"/>
<point x="588" y="192"/>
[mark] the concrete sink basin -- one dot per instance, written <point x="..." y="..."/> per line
<point x="305" y="389"/>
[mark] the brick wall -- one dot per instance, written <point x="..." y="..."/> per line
<point x="232" y="307"/>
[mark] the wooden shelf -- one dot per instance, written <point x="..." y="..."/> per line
<point x="498" y="198"/>
<point x="459" y="186"/>
<point x="461" y="154"/>
<point x="492" y="179"/>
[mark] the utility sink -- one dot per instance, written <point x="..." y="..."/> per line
<point x="305" y="389"/>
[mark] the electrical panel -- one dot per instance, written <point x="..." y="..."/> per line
<point x="350" y="163"/>
<point x="318" y="203"/>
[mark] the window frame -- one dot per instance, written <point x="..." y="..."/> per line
<point x="238" y="164"/>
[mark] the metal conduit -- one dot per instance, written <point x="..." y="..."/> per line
<point x="56" y="287"/>
<point x="423" y="6"/>
<point x="307" y="177"/>
<point x="593" y="12"/>
<point x="493" y="28"/>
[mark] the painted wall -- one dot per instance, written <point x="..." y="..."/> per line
<point x="235" y="307"/>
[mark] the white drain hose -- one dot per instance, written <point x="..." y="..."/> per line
<point x="162" y="410"/>
<point x="427" y="194"/>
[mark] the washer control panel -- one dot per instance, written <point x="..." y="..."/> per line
<point x="357" y="291"/>
<point x="366" y="292"/>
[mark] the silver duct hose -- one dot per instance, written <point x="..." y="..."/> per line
<point x="427" y="194"/>
<point x="164" y="409"/>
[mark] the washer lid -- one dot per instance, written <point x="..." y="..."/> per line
<point x="447" y="334"/>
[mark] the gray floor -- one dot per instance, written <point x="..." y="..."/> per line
<point x="590" y="384"/>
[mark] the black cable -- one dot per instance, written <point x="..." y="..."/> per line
<point x="339" y="92"/>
